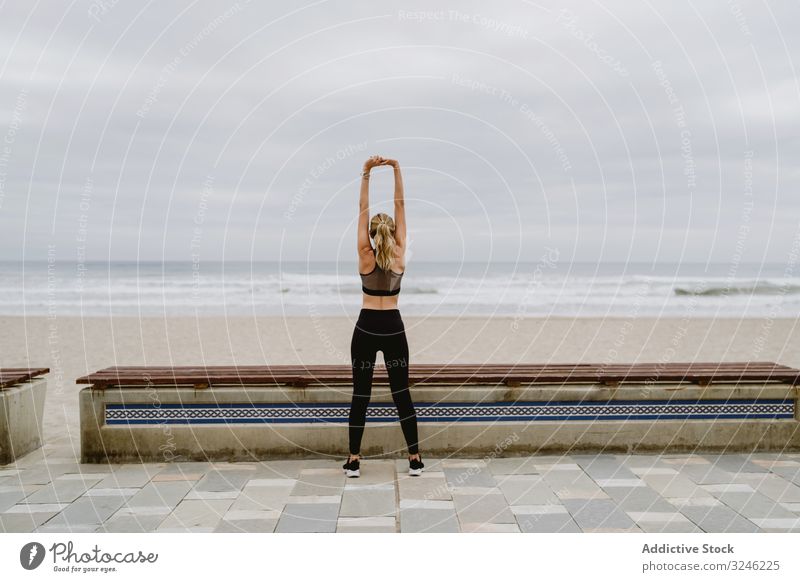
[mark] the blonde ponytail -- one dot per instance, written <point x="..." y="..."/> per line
<point x="381" y="229"/>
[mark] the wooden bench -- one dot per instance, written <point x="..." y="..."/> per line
<point x="22" y="396"/>
<point x="256" y="412"/>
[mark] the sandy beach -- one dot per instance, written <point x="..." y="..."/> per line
<point x="73" y="346"/>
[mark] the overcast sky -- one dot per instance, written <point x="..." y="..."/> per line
<point x="611" y="131"/>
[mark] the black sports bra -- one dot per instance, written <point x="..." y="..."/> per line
<point x="380" y="282"/>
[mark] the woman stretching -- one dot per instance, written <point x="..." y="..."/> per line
<point x="379" y="326"/>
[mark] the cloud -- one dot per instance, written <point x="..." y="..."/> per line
<point x="591" y="128"/>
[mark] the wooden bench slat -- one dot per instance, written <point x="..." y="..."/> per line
<point x="12" y="376"/>
<point x="710" y="365"/>
<point x="703" y="373"/>
<point x="278" y="370"/>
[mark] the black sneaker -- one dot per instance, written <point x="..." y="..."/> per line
<point x="415" y="467"/>
<point x="352" y="468"/>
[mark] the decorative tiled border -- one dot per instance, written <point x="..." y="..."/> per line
<point x="249" y="413"/>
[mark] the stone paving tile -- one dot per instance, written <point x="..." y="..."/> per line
<point x="27" y="488"/>
<point x="677" y="485"/>
<point x="568" y="481"/>
<point x="675" y="517"/>
<point x="22" y="522"/>
<point x="162" y="510"/>
<point x="778" y="523"/>
<point x="669" y="527"/>
<point x="773" y="486"/>
<point x="247" y="526"/>
<point x="256" y="496"/>
<point x="271" y="482"/>
<point x="98" y="468"/>
<point x="736" y="463"/>
<point x="160" y="494"/>
<point x="130" y="476"/>
<point x="526" y="490"/>
<point x="626" y="483"/>
<point x="279" y="469"/>
<point x="111" y="492"/>
<point x="639" y="499"/>
<point x="632" y="529"/>
<point x="194" y="494"/>
<point x="193" y="477"/>
<point x="366" y="525"/>
<point x="44" y="474"/>
<point x="642" y="471"/>
<point x="604" y="467"/>
<point x="679" y="460"/>
<point x="709" y="501"/>
<point x="426" y="504"/>
<point x="459" y="463"/>
<point x="427" y="486"/>
<point x="728" y="488"/>
<point x="10" y="496"/>
<point x="748" y="503"/>
<point x="227" y="480"/>
<point x="790" y="473"/>
<point x="468" y="476"/>
<point x="120" y="523"/>
<point x="490" y="528"/>
<point x="551" y="466"/>
<point x="597" y="514"/>
<point x="86" y="511"/>
<point x="791" y="506"/>
<point x="308" y="517"/>
<point x="554" y="459"/>
<point x="718" y="519"/>
<point x="305" y="499"/>
<point x="642" y="463"/>
<point x="710" y="474"/>
<point x="378" y="472"/>
<point x="329" y="463"/>
<point x="489" y="507"/>
<point x="37" y="508"/>
<point x="62" y="490"/>
<point x="92" y="477"/>
<point x="368" y="500"/>
<point x="319" y="482"/>
<point x="187" y="467"/>
<point x="778" y="461"/>
<point x="196" y="515"/>
<point x="551" y="518"/>
<point x="432" y="516"/>
<point x="513" y="466"/>
<point x="245" y="514"/>
<point x="59" y="528"/>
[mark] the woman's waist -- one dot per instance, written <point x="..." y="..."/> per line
<point x="379" y="303"/>
<point x="380" y="316"/>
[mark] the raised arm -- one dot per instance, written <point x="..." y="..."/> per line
<point x="364" y="247"/>
<point x="399" y="206"/>
<point x="363" y="211"/>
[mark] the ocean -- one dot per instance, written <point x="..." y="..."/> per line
<point x="537" y="289"/>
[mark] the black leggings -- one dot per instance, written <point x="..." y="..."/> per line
<point x="380" y="330"/>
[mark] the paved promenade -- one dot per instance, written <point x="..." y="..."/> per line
<point x="589" y="493"/>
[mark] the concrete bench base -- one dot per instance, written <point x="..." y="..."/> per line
<point x="21" y="414"/>
<point x="168" y="423"/>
